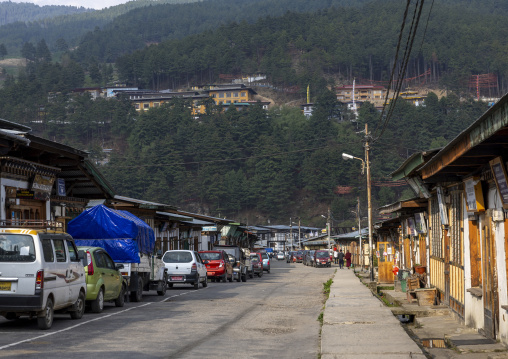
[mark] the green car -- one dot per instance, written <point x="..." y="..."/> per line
<point x="104" y="281"/>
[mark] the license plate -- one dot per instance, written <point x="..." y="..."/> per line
<point x="176" y="278"/>
<point x="5" y="286"/>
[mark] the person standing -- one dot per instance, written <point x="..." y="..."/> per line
<point x="335" y="255"/>
<point x="348" y="259"/>
<point x="341" y="259"/>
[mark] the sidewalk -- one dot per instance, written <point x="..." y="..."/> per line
<point x="356" y="324"/>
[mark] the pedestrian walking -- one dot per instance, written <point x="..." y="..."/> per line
<point x="348" y="259"/>
<point x="341" y="259"/>
<point x="335" y="255"/>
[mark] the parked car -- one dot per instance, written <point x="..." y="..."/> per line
<point x="280" y="256"/>
<point x="41" y="273"/>
<point x="322" y="258"/>
<point x="218" y="267"/>
<point x="298" y="257"/>
<point x="257" y="263"/>
<point x="309" y="258"/>
<point x="266" y="262"/>
<point x="104" y="281"/>
<point x="185" y="266"/>
<point x="242" y="266"/>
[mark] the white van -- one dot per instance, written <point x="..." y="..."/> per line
<point x="40" y="272"/>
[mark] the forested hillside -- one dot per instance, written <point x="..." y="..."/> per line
<point x="298" y="48"/>
<point x="277" y="162"/>
<point x="26" y="12"/>
<point x="31" y="23"/>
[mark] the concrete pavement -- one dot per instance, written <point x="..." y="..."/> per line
<point x="356" y="324"/>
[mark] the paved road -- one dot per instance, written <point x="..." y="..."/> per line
<point x="273" y="316"/>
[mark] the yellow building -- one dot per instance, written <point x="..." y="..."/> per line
<point x="230" y="94"/>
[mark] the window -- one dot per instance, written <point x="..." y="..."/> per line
<point x="60" y="250"/>
<point x="16" y="248"/>
<point x="221" y="95"/>
<point x="47" y="250"/>
<point x="455" y="228"/>
<point x="109" y="262"/>
<point x="177" y="257"/>
<point x="235" y="94"/>
<point x="244" y="94"/>
<point x="435" y="230"/>
<point x="146" y="105"/>
<point x="156" y="104"/>
<point x="73" y="254"/>
<point x="136" y="106"/>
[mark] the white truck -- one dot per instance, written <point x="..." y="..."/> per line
<point x="129" y="241"/>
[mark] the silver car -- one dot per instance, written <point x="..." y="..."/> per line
<point x="266" y="262"/>
<point x="185" y="266"/>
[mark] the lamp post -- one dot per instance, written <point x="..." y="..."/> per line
<point x="366" y="164"/>
<point x="291" y="232"/>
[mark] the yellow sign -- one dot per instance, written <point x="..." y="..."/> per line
<point x="323" y="230"/>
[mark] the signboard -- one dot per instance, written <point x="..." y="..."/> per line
<point x="61" y="187"/>
<point x="474" y="195"/>
<point x="24" y="193"/>
<point x="411" y="226"/>
<point x="420" y="223"/>
<point x="210" y="229"/>
<point x="499" y="172"/>
<point x="42" y="183"/>
<point x="442" y="207"/>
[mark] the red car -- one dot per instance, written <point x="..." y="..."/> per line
<point x="322" y="259"/>
<point x="257" y="263"/>
<point x="218" y="267"/>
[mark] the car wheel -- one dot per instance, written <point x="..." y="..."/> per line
<point x="170" y="285"/>
<point x="231" y="278"/>
<point x="46" y="321"/>
<point x="98" y="303"/>
<point x="120" y="301"/>
<point x="239" y="277"/>
<point x="196" y="283"/>
<point x="205" y="282"/>
<point x="164" y="287"/>
<point x="244" y="277"/>
<point x="137" y="296"/>
<point x="268" y="271"/>
<point x="225" y="278"/>
<point x="251" y="275"/>
<point x="80" y="307"/>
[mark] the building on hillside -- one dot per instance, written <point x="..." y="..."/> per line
<point x="413" y="97"/>
<point x="307" y="109"/>
<point x="94" y="92"/>
<point x="231" y="94"/>
<point x="361" y="93"/>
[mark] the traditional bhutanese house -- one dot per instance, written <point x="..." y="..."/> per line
<point x="43" y="183"/>
<point x="402" y="239"/>
<point x="467" y="222"/>
<point x="230" y="94"/>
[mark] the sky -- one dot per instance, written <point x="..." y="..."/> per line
<point x="94" y="4"/>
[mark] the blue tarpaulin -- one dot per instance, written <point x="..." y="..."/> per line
<point x="120" y="233"/>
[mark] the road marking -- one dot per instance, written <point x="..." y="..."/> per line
<point x="92" y="320"/>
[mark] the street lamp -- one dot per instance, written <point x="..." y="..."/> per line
<point x="366" y="164"/>
<point x="328" y="229"/>
<point x="299" y="237"/>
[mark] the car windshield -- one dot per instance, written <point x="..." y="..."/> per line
<point x="254" y="258"/>
<point x="177" y="257"/>
<point x="211" y="256"/>
<point x="299" y="253"/>
<point x="321" y="254"/>
<point x="16" y="248"/>
<point x="264" y="255"/>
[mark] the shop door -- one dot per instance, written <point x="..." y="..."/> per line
<point x="489" y="281"/>
<point x="385" y="262"/>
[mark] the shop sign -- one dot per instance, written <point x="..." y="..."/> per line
<point x="442" y="207"/>
<point x="420" y="223"/>
<point x="474" y="195"/>
<point x="42" y="183"/>
<point x="24" y="193"/>
<point x="210" y="229"/>
<point x="499" y="172"/>
<point x="61" y="187"/>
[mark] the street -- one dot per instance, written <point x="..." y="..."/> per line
<point x="272" y="316"/>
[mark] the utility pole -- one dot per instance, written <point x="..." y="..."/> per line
<point x="369" y="213"/>
<point x="291" y="232"/>
<point x="328" y="229"/>
<point x="299" y="236"/>
<point x="360" y="259"/>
